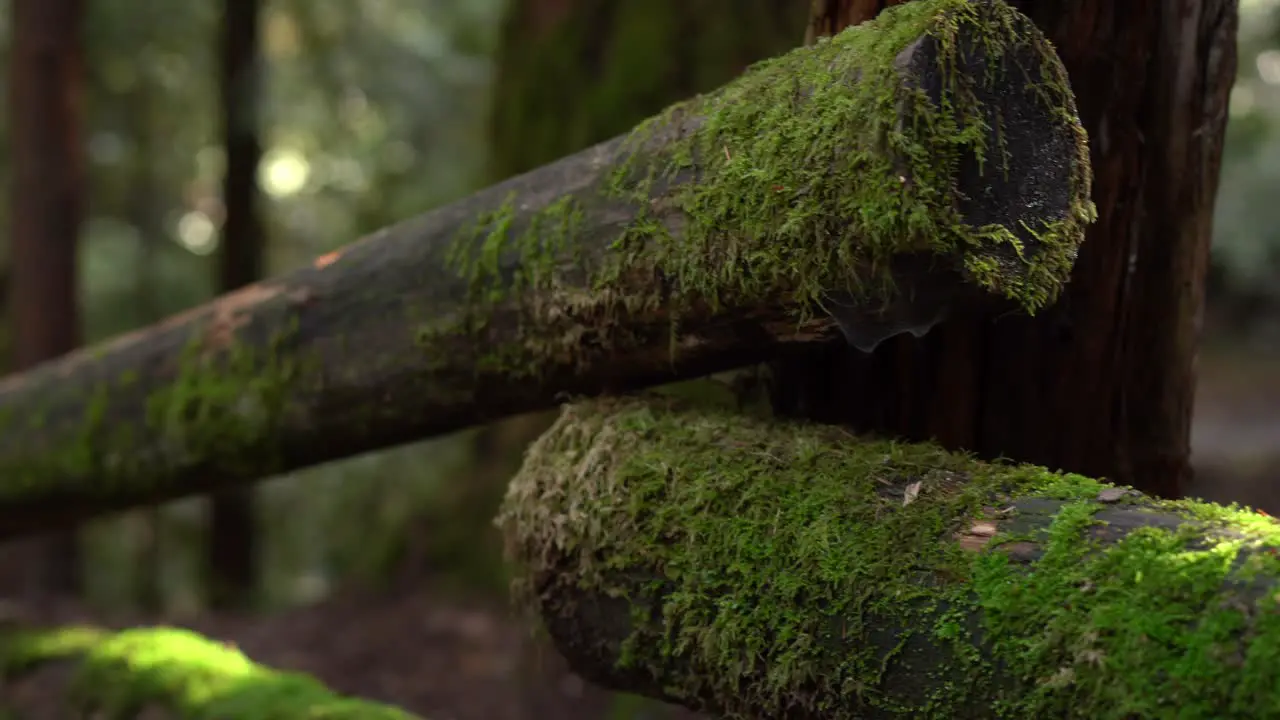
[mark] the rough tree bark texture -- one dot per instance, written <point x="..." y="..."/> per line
<point x="571" y="279"/>
<point x="232" y="547"/>
<point x="750" y="568"/>
<point x="45" y="109"/>
<point x="1103" y="382"/>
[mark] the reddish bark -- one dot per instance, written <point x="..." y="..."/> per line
<point x="46" y="79"/>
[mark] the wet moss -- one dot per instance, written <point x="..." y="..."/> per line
<point x="118" y="675"/>
<point x="780" y="556"/>
<point x="805" y="183"/>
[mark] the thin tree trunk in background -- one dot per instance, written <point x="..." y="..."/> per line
<point x="46" y="80"/>
<point x="233" y="546"/>
<point x="1102" y="383"/>
<point x="571" y="73"/>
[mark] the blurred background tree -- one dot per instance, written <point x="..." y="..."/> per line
<point x="1246" y="274"/>
<point x="46" y="125"/>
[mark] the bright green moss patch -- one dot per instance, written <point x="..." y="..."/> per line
<point x="120" y="674"/>
<point x="775" y="566"/>
<point x="1166" y="623"/>
<point x="805" y="177"/>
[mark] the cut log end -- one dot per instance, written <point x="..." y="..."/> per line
<point x="755" y="569"/>
<point x="1023" y="179"/>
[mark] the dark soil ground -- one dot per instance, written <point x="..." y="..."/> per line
<point x="448" y="659"/>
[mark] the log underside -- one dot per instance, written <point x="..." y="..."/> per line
<point x="601" y="273"/>
<point x="753" y="569"/>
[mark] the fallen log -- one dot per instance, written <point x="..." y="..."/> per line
<point x="159" y="673"/>
<point x="881" y="177"/>
<point x="753" y="569"/>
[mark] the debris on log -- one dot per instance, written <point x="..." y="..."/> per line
<point x="930" y="158"/>
<point x="756" y="569"/>
<point x="164" y="673"/>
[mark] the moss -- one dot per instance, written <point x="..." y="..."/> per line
<point x="120" y="674"/>
<point x="783" y="555"/>
<point x="807" y="184"/>
<point x="224" y="407"/>
<point x="1163" y="624"/>
<point x="219" y="408"/>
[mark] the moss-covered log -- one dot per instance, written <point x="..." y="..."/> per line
<point x="758" y="569"/>
<point x="880" y="175"/>
<point x="162" y="673"/>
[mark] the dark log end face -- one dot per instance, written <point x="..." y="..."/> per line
<point x="597" y="634"/>
<point x="755" y="569"/>
<point x="1027" y="177"/>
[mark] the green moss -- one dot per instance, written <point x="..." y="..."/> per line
<point x="806" y="184"/>
<point x="789" y="573"/>
<point x="220" y="408"/>
<point x="1163" y="624"/>
<point x="225" y="406"/>
<point x="120" y="674"/>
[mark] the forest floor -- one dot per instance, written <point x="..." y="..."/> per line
<point x="445" y="658"/>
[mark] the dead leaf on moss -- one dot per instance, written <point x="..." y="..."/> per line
<point x="913" y="491"/>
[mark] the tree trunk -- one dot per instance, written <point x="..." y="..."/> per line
<point x="572" y="73"/>
<point x="750" y="568"/>
<point x="642" y="260"/>
<point x="1101" y="383"/>
<point x="232" y="549"/>
<point x="46" y="78"/>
